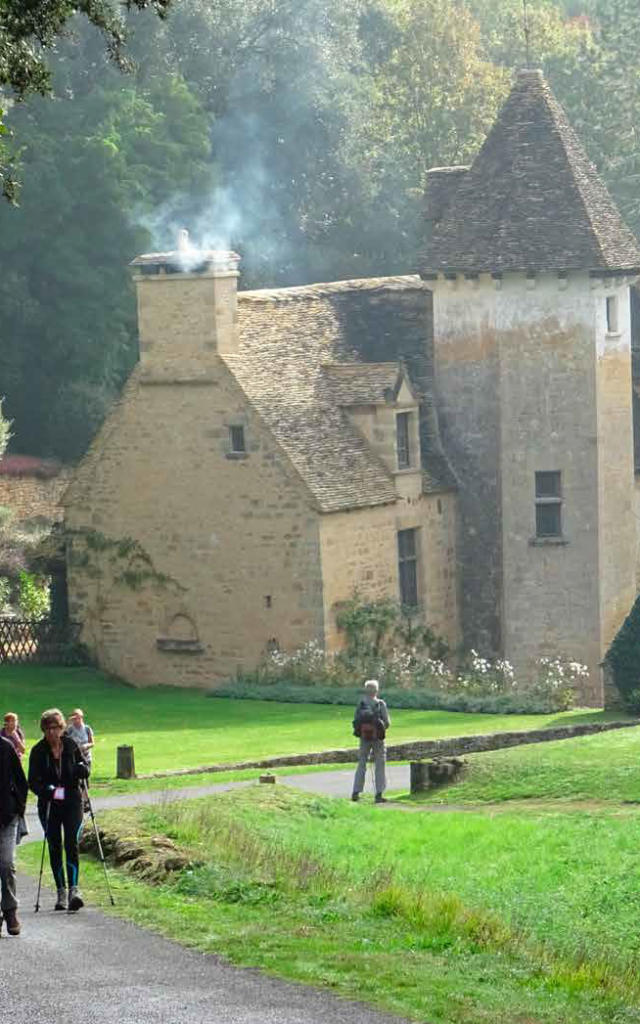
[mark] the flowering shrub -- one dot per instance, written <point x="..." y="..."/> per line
<point x="478" y="675"/>
<point x="557" y="679"/>
<point x="307" y="665"/>
<point x="554" y="683"/>
<point x="385" y="642"/>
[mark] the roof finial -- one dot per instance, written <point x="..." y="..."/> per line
<point x="527" y="32"/>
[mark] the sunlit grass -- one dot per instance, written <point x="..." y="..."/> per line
<point x="173" y="728"/>
<point x="459" y="917"/>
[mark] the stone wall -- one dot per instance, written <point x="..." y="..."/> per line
<point x="415" y="750"/>
<point x="31" y="495"/>
<point x="238" y="535"/>
<point x="616" y="481"/>
<point x="548" y="408"/>
<point x="466" y="390"/>
<point x="529" y="380"/>
<point x="359" y="551"/>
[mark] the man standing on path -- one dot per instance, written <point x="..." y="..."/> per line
<point x="13" y="800"/>
<point x="370" y="723"/>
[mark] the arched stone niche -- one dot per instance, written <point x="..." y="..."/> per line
<point x="180" y="634"/>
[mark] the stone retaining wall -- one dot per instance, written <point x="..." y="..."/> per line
<point x="415" y="750"/>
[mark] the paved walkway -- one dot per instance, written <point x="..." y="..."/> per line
<point x="89" y="968"/>
<point x="331" y="783"/>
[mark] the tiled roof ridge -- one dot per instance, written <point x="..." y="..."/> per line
<point x="575" y="153"/>
<point x="346" y="364"/>
<point x="532" y="200"/>
<point x="320" y="290"/>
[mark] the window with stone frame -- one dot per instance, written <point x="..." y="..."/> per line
<point x="548" y="503"/>
<point x="612" y="314"/>
<point x="403" y="439"/>
<point x="408" y="567"/>
<point x="237" y="440"/>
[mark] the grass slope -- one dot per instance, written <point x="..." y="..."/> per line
<point x="448" y="917"/>
<point x="603" y="767"/>
<point x="179" y="728"/>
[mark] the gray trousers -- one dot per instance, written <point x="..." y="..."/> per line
<point x="8" y="898"/>
<point x="379" y="757"/>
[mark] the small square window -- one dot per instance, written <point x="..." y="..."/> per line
<point x="237" y="439"/>
<point x="612" y="314"/>
<point x="548" y="485"/>
<point x="548" y="521"/>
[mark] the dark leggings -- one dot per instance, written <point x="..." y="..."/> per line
<point x="65" y="815"/>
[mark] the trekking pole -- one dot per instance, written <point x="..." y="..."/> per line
<point x="100" y="850"/>
<point x="44" y="846"/>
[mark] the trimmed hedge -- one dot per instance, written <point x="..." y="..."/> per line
<point x="423" y="700"/>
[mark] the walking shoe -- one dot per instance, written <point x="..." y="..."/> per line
<point x="355" y="797"/>
<point x="380" y="799"/>
<point x="61" y="901"/>
<point x="75" y="899"/>
<point x="13" y="925"/>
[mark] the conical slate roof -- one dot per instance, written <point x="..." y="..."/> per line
<point x="532" y="201"/>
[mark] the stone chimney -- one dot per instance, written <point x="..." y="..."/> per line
<point x="187" y="301"/>
<point x="441" y="184"/>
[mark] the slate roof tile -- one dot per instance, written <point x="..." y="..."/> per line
<point x="295" y="362"/>
<point x="532" y="201"/>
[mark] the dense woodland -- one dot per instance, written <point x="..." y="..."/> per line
<point x="297" y="132"/>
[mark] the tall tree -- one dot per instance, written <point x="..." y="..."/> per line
<point x="29" y="30"/>
<point x="96" y="167"/>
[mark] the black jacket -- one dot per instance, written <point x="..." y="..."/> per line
<point x="42" y="771"/>
<point x="13" y="785"/>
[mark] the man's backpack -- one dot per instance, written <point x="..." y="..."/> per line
<point x="367" y="723"/>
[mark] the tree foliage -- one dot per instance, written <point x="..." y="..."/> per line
<point x="298" y="133"/>
<point x="623" y="657"/>
<point x="28" y="30"/>
<point x="96" y="168"/>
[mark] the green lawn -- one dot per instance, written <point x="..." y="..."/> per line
<point x="461" y="918"/>
<point x="521" y="911"/>
<point x="604" y="767"/>
<point x="177" y="728"/>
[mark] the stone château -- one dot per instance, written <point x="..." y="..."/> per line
<point x="460" y="440"/>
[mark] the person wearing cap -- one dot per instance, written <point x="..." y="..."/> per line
<point x="370" y="724"/>
<point x="82" y="733"/>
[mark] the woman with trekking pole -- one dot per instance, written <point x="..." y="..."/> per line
<point x="57" y="773"/>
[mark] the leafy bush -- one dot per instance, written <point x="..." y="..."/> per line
<point x="632" y="702"/>
<point x="623" y="656"/>
<point x="418" y="700"/>
<point x="387" y="642"/>
<point x="33" y="595"/>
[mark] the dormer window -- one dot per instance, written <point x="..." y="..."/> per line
<point x="403" y="444"/>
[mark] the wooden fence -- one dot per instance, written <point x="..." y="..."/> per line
<point x="40" y="642"/>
